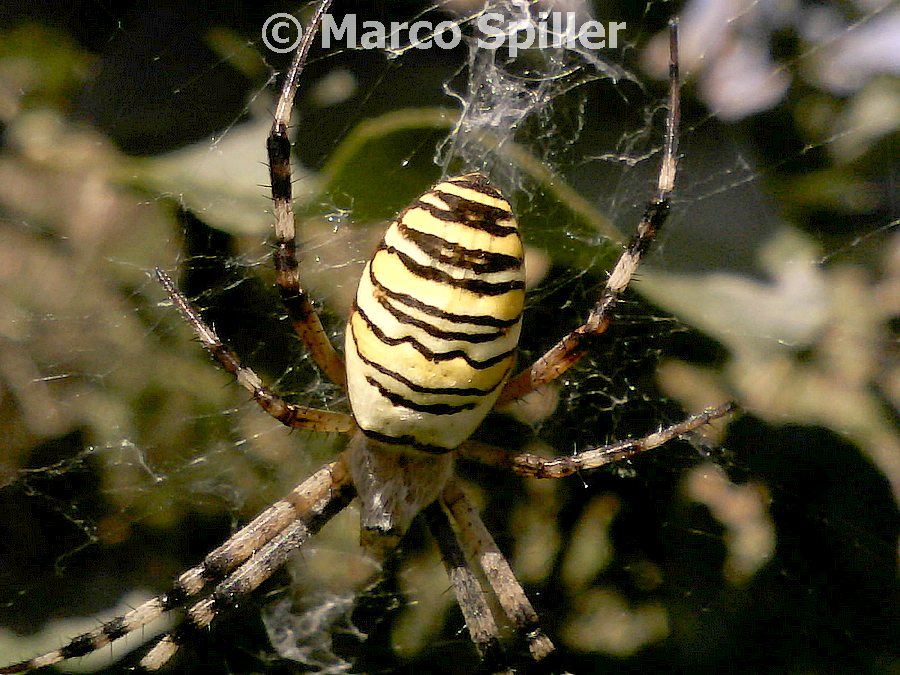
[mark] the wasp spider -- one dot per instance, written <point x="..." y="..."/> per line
<point x="430" y="346"/>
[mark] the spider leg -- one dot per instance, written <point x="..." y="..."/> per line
<point x="289" y="414"/>
<point x="568" y="351"/>
<point x="325" y="494"/>
<point x="528" y="464"/>
<point x="480" y="546"/>
<point x="471" y="597"/>
<point x="306" y="322"/>
<point x="309" y="506"/>
<point x="259" y="532"/>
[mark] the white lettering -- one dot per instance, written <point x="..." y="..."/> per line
<point x="569" y="33"/>
<point x="492" y="30"/>
<point x="414" y="38"/>
<point x="614" y="28"/>
<point x="397" y="35"/>
<point x="522" y="38"/>
<point x="375" y="36"/>
<point x="492" y="36"/>
<point x="331" y="29"/>
<point x="590" y="31"/>
<point x="441" y="31"/>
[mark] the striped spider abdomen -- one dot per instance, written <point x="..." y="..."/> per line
<point x="430" y="342"/>
<point x="433" y="332"/>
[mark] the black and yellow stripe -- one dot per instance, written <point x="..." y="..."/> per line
<point x="433" y="332"/>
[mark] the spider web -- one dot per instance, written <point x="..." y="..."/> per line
<point x="138" y="140"/>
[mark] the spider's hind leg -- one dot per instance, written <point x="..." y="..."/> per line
<point x="313" y="503"/>
<point x="481" y="547"/>
<point x="470" y="595"/>
<point x="535" y="466"/>
<point x="466" y="547"/>
<point x="239" y="565"/>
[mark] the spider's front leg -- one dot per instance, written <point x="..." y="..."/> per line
<point x="278" y="146"/>
<point x="568" y="351"/>
<point x="289" y="414"/>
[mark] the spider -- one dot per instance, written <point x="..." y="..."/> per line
<point x="429" y="349"/>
